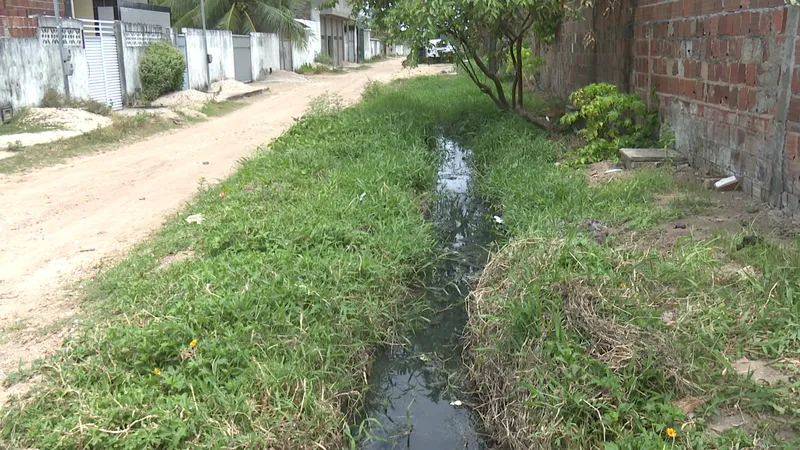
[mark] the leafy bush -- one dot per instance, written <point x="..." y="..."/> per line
<point x="305" y="69"/>
<point x="531" y="66"/>
<point x="161" y="70"/>
<point x="613" y="120"/>
<point x="324" y="58"/>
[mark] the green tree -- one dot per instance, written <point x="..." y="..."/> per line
<point x="241" y="16"/>
<point x="486" y="35"/>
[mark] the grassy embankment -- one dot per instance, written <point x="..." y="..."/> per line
<point x="257" y="333"/>
<point x="291" y="279"/>
<point x="579" y="344"/>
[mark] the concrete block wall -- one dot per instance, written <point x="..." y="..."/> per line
<point x="723" y="71"/>
<point x="30" y="66"/>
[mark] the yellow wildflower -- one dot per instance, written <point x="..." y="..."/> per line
<point x="193" y="344"/>
<point x="157" y="371"/>
<point x="671" y="432"/>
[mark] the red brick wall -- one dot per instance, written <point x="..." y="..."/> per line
<point x="715" y="66"/>
<point x="17" y="17"/>
<point x="792" y="144"/>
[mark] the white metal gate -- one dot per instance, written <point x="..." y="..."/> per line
<point x="103" y="60"/>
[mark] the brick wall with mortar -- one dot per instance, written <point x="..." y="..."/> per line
<point x="18" y="17"/>
<point x="725" y="74"/>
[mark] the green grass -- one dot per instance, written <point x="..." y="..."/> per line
<point x="214" y="109"/>
<point x="320" y="69"/>
<point x="301" y="268"/>
<point x="298" y="272"/>
<point x="123" y="129"/>
<point x="556" y="300"/>
<point x="19" y="124"/>
<point x="377" y="58"/>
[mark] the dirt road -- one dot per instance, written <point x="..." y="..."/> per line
<point x="58" y="223"/>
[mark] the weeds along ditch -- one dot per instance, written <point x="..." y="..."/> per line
<point x="613" y="340"/>
<point x="257" y="327"/>
<point x="260" y="334"/>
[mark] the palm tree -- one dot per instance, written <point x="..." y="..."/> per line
<point x="241" y="16"/>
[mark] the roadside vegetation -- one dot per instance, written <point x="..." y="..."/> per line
<point x="594" y="325"/>
<point x="18" y="124"/>
<point x="161" y="70"/>
<point x="252" y="326"/>
<point x="220" y="108"/>
<point x="124" y="129"/>
<point x="319" y="69"/>
<point x="601" y="325"/>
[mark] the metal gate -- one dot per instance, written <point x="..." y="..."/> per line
<point x="101" y="56"/>
<point x="242" y="68"/>
<point x="286" y="54"/>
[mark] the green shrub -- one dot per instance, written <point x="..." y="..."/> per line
<point x="305" y="69"/>
<point x="161" y="70"/>
<point x="613" y="120"/>
<point x="324" y="58"/>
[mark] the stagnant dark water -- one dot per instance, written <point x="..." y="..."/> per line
<point x="413" y="388"/>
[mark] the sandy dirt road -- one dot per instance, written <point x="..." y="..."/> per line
<point x="58" y="223"/>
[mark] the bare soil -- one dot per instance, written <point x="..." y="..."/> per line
<point x="69" y="122"/>
<point x="58" y="224"/>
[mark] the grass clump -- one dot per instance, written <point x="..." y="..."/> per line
<point x="324" y="58"/>
<point x="319" y="69"/>
<point x="54" y="99"/>
<point x="582" y="340"/>
<point x="220" y="108"/>
<point x="18" y="124"/>
<point x="260" y="337"/>
<point x="125" y="128"/>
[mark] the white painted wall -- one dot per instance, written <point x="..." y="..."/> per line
<point x="28" y="69"/>
<point x="220" y="47"/>
<point x="306" y="55"/>
<point x="264" y="54"/>
<point x="376" y="47"/>
<point x="367" y="47"/>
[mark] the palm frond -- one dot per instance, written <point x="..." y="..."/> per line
<point x="248" y="23"/>
<point x="229" y="20"/>
<point x="270" y="18"/>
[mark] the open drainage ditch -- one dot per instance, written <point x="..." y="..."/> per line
<point x="416" y="397"/>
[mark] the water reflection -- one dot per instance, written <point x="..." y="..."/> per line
<point x="412" y="386"/>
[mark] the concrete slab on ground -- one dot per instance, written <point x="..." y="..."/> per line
<point x="645" y="157"/>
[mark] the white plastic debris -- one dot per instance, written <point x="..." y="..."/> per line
<point x="548" y="118"/>
<point x="497" y="219"/>
<point x="456" y="403"/>
<point x="195" y="218"/>
<point x="727" y="184"/>
<point x="362" y="196"/>
<point x="614" y="170"/>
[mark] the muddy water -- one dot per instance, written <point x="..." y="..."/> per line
<point x="415" y="389"/>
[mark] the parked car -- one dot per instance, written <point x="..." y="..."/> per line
<point x="439" y="49"/>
